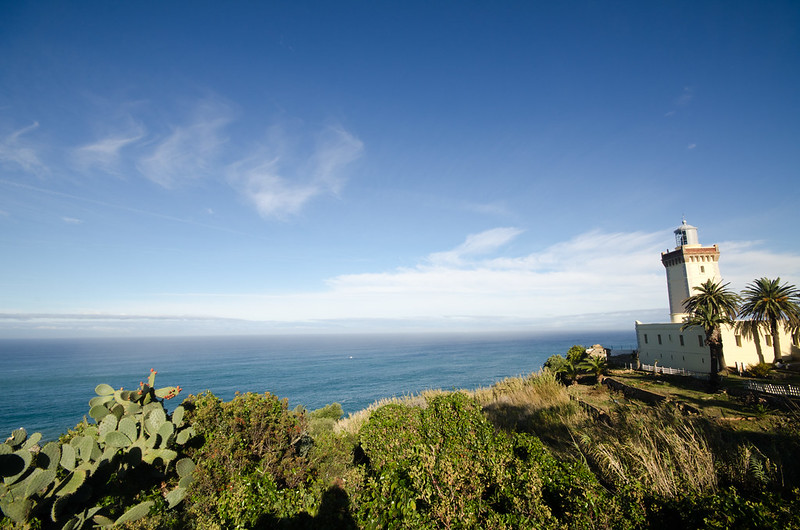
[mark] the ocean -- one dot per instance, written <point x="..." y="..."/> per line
<point x="47" y="383"/>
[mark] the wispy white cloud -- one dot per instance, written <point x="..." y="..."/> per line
<point x="489" y="208"/>
<point x="279" y="176"/>
<point x="593" y="272"/>
<point x="687" y="95"/>
<point x="278" y="186"/>
<point x="683" y="100"/>
<point x="691" y="146"/>
<point x="15" y="150"/>
<point x="72" y="220"/>
<point x="741" y="262"/>
<point x="105" y="153"/>
<point x="475" y="245"/>
<point x="190" y="150"/>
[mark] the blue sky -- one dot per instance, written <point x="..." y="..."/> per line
<point x="247" y="167"/>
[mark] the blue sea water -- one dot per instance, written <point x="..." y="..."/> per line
<point x="46" y="383"/>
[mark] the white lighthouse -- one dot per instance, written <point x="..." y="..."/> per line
<point x="688" y="266"/>
<point x="670" y="345"/>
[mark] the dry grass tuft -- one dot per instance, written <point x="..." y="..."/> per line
<point x="665" y="452"/>
<point x="527" y="404"/>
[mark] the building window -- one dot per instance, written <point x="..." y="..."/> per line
<point x="659" y="338"/>
<point x="645" y="338"/>
<point x="681" y="337"/>
<point x="700" y="340"/>
<point x="702" y="268"/>
<point x="739" y="340"/>
<point x="769" y="339"/>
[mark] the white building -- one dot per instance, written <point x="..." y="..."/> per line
<point x="689" y="265"/>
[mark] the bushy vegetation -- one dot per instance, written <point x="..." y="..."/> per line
<point x="446" y="466"/>
<point x="760" y="370"/>
<point x="576" y="362"/>
<point x="252" y="464"/>
<point x="520" y="454"/>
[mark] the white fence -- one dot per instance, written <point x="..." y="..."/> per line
<point x="672" y="371"/>
<point x="778" y="390"/>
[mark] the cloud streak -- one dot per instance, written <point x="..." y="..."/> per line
<point x="279" y="176"/>
<point x="190" y="150"/>
<point x="593" y="273"/>
<point x="475" y="245"/>
<point x="16" y="151"/>
<point x="280" y="190"/>
<point x="106" y="153"/>
<point x="596" y="270"/>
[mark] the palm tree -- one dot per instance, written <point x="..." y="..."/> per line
<point x="766" y="303"/>
<point x="712" y="307"/>
<point x="596" y="365"/>
<point x="568" y="372"/>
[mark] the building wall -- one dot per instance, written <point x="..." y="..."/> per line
<point x="737" y="347"/>
<point x="673" y="348"/>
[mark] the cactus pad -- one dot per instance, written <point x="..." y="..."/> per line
<point x="71" y="483"/>
<point x="184" y="467"/>
<point x="39" y="480"/>
<point x="117" y="439"/>
<point x="137" y="512"/>
<point x="103" y="389"/>
<point x="68" y="457"/>
<point x="17" y="437"/>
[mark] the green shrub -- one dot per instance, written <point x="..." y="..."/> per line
<point x="576" y="354"/>
<point x="252" y="463"/>
<point x="555" y="363"/>
<point x="760" y="370"/>
<point x="726" y="509"/>
<point x="333" y="411"/>
<point x="445" y="466"/>
<point x="569" y="489"/>
<point x="322" y="421"/>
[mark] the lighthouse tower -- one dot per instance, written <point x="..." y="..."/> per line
<point x="688" y="266"/>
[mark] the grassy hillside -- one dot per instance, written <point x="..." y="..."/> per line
<point x="527" y="452"/>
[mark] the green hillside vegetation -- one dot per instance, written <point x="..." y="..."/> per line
<point x="527" y="452"/>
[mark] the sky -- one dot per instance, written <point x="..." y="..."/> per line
<point x="301" y="167"/>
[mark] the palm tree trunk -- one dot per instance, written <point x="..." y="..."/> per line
<point x="723" y="366"/>
<point x="714" y="342"/>
<point x="776" y="341"/>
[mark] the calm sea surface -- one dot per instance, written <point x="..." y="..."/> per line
<point x="46" y="384"/>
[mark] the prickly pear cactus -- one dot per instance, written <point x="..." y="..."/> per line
<point x="53" y="483"/>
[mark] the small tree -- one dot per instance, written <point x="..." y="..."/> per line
<point x="576" y="354"/>
<point x="555" y="363"/>
<point x="595" y="365"/>
<point x="713" y="306"/>
<point x="569" y="372"/>
<point x="767" y="303"/>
